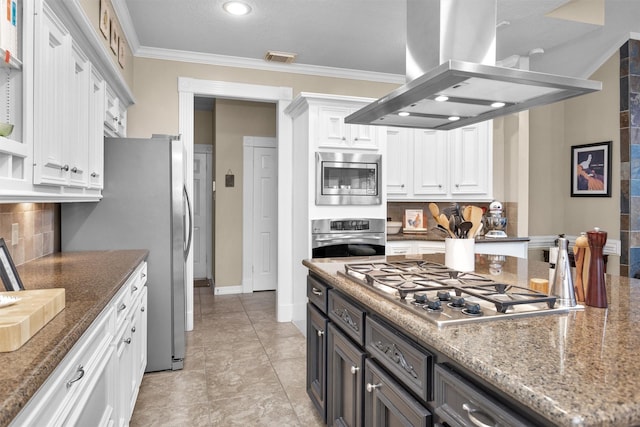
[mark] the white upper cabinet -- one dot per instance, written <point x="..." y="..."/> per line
<point x="333" y="132"/>
<point x="399" y="168"/>
<point x="52" y="84"/>
<point x="428" y="165"/>
<point x="56" y="99"/>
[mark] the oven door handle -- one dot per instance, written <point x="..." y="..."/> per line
<point x="346" y="237"/>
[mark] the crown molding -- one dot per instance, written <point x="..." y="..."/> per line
<point x="259" y="64"/>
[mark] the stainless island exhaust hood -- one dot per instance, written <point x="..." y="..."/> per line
<point x="454" y="41"/>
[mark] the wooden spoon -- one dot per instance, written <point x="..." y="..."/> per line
<point x="435" y="211"/>
<point x="466" y="213"/>
<point x="444" y="222"/>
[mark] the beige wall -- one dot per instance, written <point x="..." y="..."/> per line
<point x="203" y="127"/>
<point x="234" y="120"/>
<point x="156" y="89"/>
<point x="554" y="129"/>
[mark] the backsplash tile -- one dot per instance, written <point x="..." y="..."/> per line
<point x="38" y="225"/>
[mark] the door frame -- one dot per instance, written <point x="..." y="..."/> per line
<point x="282" y="96"/>
<point x="248" y="144"/>
<point x="207" y="150"/>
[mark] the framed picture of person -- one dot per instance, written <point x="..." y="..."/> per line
<point x="591" y="170"/>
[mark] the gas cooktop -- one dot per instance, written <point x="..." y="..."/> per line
<point x="445" y="296"/>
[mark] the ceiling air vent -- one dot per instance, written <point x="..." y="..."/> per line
<point x="282" y="57"/>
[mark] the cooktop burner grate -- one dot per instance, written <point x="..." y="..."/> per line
<point x="445" y="295"/>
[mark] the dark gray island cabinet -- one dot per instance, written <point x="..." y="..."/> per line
<point x="363" y="371"/>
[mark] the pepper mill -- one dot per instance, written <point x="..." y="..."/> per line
<point x="596" y="292"/>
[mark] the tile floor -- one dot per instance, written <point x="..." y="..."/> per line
<point x="242" y="368"/>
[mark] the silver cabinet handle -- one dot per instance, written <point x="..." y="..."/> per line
<point x="475" y="414"/>
<point x="135" y="288"/>
<point x="457" y="185"/>
<point x="316" y="291"/>
<point x="122" y="307"/>
<point x="133" y="330"/>
<point x="65" y="168"/>
<point x="371" y="387"/>
<point x="127" y="340"/>
<point x="320" y="332"/>
<point x="354" y="370"/>
<point x="74" y="169"/>
<point x="94" y="175"/>
<point x="402" y="186"/>
<point x="78" y="376"/>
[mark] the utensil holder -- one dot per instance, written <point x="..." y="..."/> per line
<point x="459" y="254"/>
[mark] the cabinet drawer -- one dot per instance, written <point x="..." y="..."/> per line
<point x="411" y="365"/>
<point x="460" y="403"/>
<point x="348" y="316"/>
<point x="317" y="293"/>
<point x="57" y="397"/>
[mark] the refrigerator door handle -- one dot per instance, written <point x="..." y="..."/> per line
<point x="188" y="248"/>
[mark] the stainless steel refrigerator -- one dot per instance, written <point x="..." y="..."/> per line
<point x="144" y="206"/>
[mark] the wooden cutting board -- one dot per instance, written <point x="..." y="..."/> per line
<point x="20" y="321"/>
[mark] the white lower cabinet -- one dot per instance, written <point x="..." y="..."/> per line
<point x="97" y="382"/>
<point x="514" y="248"/>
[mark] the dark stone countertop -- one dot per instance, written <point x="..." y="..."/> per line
<point x="576" y="369"/>
<point x="438" y="236"/>
<point x="91" y="280"/>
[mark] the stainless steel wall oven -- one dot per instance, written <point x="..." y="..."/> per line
<point x="348" y="179"/>
<point x="335" y="238"/>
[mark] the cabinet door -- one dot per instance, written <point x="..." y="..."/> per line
<point x="139" y="344"/>
<point x="52" y="71"/>
<point x="317" y="359"/>
<point x="345" y="373"/>
<point x="96" y="131"/>
<point x="334" y="133"/>
<point x="399" y="162"/>
<point x="430" y="163"/>
<point x="471" y="159"/>
<point x="387" y="404"/>
<point x="78" y="120"/>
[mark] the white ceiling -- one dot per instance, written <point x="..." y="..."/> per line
<point x="365" y="38"/>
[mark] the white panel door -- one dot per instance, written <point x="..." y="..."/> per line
<point x="265" y="220"/>
<point x="399" y="162"/>
<point x="199" y="216"/>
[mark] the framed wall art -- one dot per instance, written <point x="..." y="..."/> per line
<point x="121" y="52"/>
<point x="8" y="271"/>
<point x="105" y="19"/>
<point x="113" y="37"/>
<point x="414" y="221"/>
<point x="591" y="170"/>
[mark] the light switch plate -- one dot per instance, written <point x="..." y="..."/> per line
<point x="14" y="234"/>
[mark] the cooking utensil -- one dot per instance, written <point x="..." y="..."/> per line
<point x="463" y="229"/>
<point x="435" y="211"/>
<point x="444" y="222"/>
<point x="466" y="213"/>
<point x="476" y="219"/>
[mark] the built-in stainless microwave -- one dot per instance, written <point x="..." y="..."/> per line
<point x="348" y="179"/>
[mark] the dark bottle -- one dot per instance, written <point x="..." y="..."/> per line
<point x="596" y="292"/>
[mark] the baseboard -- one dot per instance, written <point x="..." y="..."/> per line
<point x="227" y="290"/>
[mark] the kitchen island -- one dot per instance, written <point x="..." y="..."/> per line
<point x="90" y="280"/>
<point x="579" y="368"/>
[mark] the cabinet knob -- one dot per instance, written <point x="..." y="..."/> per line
<point x="354" y="370"/>
<point x="355" y="139"/>
<point x="127" y="340"/>
<point x="402" y="186"/>
<point x="93" y="174"/>
<point x="457" y="185"/>
<point x="77" y="377"/>
<point x="135" y="288"/>
<point x="344" y="138"/>
<point x="74" y="169"/>
<point x="122" y="307"/>
<point x="320" y="332"/>
<point x="316" y="291"/>
<point x="371" y="387"/>
<point x="133" y="329"/>
<point x="142" y="309"/>
<point x="65" y="168"/>
<point x="440" y="186"/>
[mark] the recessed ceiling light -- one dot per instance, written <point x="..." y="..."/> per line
<point x="454" y="118"/>
<point x="442" y="98"/>
<point x="403" y="113"/>
<point x="498" y="104"/>
<point x="237" y="8"/>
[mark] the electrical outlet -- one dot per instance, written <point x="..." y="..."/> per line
<point x="15" y="228"/>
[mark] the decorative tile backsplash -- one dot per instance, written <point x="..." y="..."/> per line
<point x="37" y="229"/>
